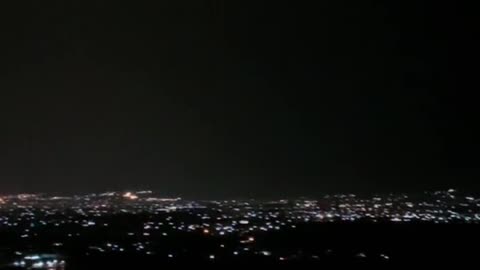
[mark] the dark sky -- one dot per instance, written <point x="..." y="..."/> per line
<point x="259" y="99"/>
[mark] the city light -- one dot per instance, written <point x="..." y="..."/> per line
<point x="160" y="220"/>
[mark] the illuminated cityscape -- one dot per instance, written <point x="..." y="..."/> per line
<point x="144" y="224"/>
<point x="244" y="134"/>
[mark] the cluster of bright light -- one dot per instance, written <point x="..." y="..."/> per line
<point x="130" y="196"/>
<point x="40" y="262"/>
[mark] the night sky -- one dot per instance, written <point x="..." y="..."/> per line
<point x="214" y="99"/>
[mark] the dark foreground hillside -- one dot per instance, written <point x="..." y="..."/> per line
<point x="309" y="244"/>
